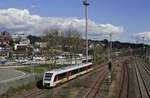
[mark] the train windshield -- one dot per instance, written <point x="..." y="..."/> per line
<point x="48" y="76"/>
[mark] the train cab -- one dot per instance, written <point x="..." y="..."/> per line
<point x="47" y="79"/>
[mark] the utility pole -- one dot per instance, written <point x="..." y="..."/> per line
<point x="86" y="4"/>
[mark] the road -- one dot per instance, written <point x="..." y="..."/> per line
<point x="9" y="74"/>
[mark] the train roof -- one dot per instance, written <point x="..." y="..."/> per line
<point x="68" y="68"/>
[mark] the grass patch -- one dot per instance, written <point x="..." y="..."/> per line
<point x="39" y="69"/>
<point x="13" y="91"/>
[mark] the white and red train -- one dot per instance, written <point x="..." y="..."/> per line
<point x="58" y="76"/>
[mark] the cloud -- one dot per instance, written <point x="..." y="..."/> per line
<point x="18" y="20"/>
<point x="140" y="35"/>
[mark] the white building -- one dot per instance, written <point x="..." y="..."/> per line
<point x="21" y="37"/>
<point x="41" y="44"/>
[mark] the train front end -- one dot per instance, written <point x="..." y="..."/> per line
<point x="47" y="79"/>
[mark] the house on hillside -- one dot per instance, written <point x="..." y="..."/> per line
<point x="20" y="38"/>
<point x="22" y="47"/>
<point x="40" y="48"/>
<point x="22" y="51"/>
<point x="5" y="44"/>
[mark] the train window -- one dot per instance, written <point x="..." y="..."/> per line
<point x="82" y="69"/>
<point x="83" y="61"/>
<point x="62" y="75"/>
<point x="74" y="71"/>
<point x="48" y="76"/>
<point x="89" y="66"/>
<point x="89" y="60"/>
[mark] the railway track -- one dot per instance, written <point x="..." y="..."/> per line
<point x="124" y="89"/>
<point x="145" y="73"/>
<point x="135" y="80"/>
<point x="94" y="90"/>
<point x="146" y="65"/>
<point x="34" y="93"/>
<point x="143" y="87"/>
<point x="146" y="68"/>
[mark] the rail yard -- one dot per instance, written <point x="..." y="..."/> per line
<point x="130" y="78"/>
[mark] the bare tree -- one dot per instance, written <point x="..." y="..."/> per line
<point x="74" y="42"/>
<point x="69" y="42"/>
<point x="98" y="53"/>
<point x="53" y="41"/>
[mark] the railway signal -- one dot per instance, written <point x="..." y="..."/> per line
<point x="109" y="65"/>
<point x="109" y="56"/>
<point x="109" y="51"/>
<point x="143" y="45"/>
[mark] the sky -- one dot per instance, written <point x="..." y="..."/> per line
<point x="129" y="18"/>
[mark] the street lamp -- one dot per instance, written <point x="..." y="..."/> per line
<point x="86" y="4"/>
